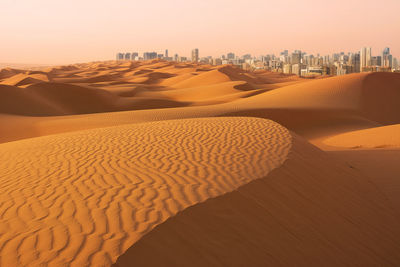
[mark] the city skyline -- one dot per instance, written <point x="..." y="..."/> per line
<point x="294" y="62"/>
<point x="65" y="32"/>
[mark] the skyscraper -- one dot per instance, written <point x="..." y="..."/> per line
<point x="395" y="64"/>
<point x="387" y="59"/>
<point x="365" y="58"/>
<point x="195" y="55"/>
<point x="134" y="55"/>
<point x="120" y="56"/>
<point x="296" y="57"/>
<point x="149" y="55"/>
<point x="357" y="62"/>
<point x="166" y="52"/>
<point x="127" y="56"/>
<point x="285" y="53"/>
<point x="230" y="56"/>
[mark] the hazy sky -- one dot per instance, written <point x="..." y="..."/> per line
<point x="68" y="31"/>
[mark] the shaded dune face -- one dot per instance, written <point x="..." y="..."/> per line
<point x="381" y="97"/>
<point x="311" y="211"/>
<point x="83" y="198"/>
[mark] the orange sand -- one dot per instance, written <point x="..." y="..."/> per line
<point x="386" y="136"/>
<point x="161" y="164"/>
<point x="85" y="197"/>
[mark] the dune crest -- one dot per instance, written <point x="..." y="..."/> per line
<point x="83" y="198"/>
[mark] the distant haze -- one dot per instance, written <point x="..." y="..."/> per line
<point x="69" y="31"/>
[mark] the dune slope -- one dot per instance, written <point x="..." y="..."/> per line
<point x="379" y="137"/>
<point x="83" y="198"/>
<point x="311" y="211"/>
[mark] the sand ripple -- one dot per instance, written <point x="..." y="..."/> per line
<point x="83" y="198"/>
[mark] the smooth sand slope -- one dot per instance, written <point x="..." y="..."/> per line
<point x="311" y="211"/>
<point x="381" y="166"/>
<point x="83" y="198"/>
<point x="380" y="137"/>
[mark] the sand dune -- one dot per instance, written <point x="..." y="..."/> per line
<point x="195" y="94"/>
<point x="206" y="78"/>
<point x="387" y="136"/>
<point x="154" y="84"/>
<point x="24" y="79"/>
<point x="311" y="211"/>
<point x="315" y="109"/>
<point x="380" y="166"/>
<point x="83" y="198"/>
<point x="9" y="72"/>
<point x="380" y="99"/>
<point x="54" y="99"/>
<point x="162" y="158"/>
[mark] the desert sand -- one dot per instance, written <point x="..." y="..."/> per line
<point x="379" y="137"/>
<point x="169" y="164"/>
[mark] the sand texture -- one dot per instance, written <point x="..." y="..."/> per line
<point x="83" y="198"/>
<point x="311" y="211"/>
<point x="161" y="163"/>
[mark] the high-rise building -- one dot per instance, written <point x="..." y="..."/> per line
<point x="387" y="58"/>
<point x="374" y="61"/>
<point x="379" y="60"/>
<point x="217" y="61"/>
<point x="127" y="56"/>
<point x="296" y="58"/>
<point x="120" y="56"/>
<point x="296" y="69"/>
<point x="395" y="64"/>
<point x="135" y="55"/>
<point x="183" y="59"/>
<point x="356" y="62"/>
<point x="149" y="55"/>
<point x="166" y="52"/>
<point x="365" y="58"/>
<point x="230" y="56"/>
<point x="195" y="55"/>
<point x="247" y="56"/>
<point x="287" y="68"/>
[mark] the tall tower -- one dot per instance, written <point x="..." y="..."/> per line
<point x="387" y="59"/>
<point x="195" y="55"/>
<point x="296" y="57"/>
<point x="365" y="57"/>
<point x="357" y="62"/>
<point x="166" y="52"/>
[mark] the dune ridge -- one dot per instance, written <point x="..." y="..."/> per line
<point x="83" y="198"/>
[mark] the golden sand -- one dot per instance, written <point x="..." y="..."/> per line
<point x="174" y="164"/>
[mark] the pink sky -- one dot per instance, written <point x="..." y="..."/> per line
<point x="69" y="31"/>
